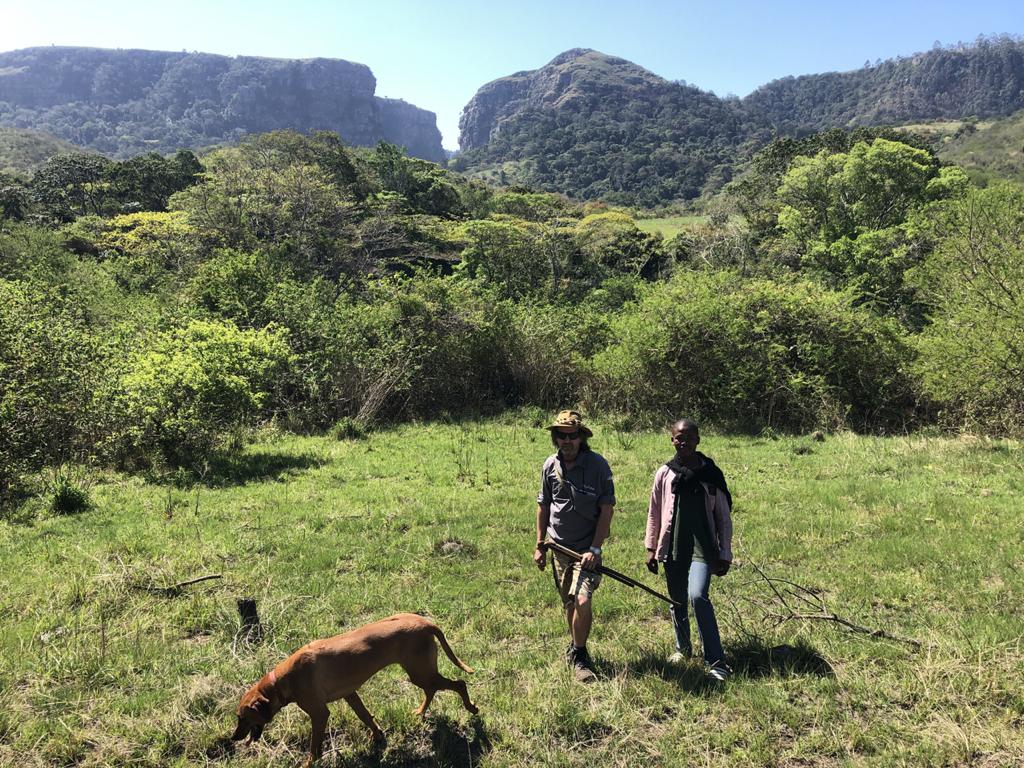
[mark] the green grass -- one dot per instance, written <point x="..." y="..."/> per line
<point x="669" y="226"/>
<point x="917" y="536"/>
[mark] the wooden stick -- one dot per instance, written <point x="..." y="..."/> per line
<point x="621" y="577"/>
<point x="175" y="589"/>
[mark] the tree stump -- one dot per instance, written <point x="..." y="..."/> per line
<point x="251" y="631"/>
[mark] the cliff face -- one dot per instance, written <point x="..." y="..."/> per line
<point x="123" y="102"/>
<point x="577" y="80"/>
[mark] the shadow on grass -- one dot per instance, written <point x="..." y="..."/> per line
<point x="689" y="676"/>
<point x="240" y="468"/>
<point x="442" y="742"/>
<point x="754" y="659"/>
<point x="750" y="659"/>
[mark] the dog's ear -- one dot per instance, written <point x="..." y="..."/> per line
<point x="263" y="709"/>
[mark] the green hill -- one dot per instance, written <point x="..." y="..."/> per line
<point x="23" y="151"/>
<point x="987" y="149"/>
<point x="597" y="126"/>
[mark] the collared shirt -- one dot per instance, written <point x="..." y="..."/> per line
<point x="575" y="497"/>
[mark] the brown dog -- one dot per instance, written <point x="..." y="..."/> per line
<point x="327" y="670"/>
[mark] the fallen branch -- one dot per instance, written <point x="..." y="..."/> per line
<point x="779" y="610"/>
<point x="175" y="589"/>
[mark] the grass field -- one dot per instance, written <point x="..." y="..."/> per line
<point x="669" y="226"/>
<point x="920" y="537"/>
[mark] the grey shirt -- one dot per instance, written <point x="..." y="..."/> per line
<point x="575" y="497"/>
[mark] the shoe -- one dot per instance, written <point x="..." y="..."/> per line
<point x="678" y="658"/>
<point x="719" y="672"/>
<point x="583" y="667"/>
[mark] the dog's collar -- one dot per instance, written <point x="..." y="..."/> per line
<point x="273" y="677"/>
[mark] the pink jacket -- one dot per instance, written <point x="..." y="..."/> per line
<point x="659" y="517"/>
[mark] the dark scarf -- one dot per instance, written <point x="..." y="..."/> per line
<point x="708" y="472"/>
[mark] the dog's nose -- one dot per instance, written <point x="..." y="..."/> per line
<point x="241" y="731"/>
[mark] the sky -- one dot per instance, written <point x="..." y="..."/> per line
<point x="437" y="54"/>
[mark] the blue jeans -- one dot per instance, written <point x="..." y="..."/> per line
<point x="688" y="582"/>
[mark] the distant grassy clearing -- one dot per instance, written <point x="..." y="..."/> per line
<point x="670" y="225"/>
<point x="918" y="536"/>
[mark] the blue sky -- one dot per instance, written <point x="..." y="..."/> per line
<point x="436" y="54"/>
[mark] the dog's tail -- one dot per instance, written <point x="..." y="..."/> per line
<point x="448" y="650"/>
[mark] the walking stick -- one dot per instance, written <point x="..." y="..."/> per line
<point x="621" y="577"/>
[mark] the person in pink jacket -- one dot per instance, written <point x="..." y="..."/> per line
<point x="689" y="531"/>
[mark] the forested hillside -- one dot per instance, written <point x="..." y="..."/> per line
<point x="981" y="80"/>
<point x="23" y="151"/>
<point x="987" y="149"/>
<point x="153" y="311"/>
<point x="594" y="126"/>
<point x="127" y="102"/>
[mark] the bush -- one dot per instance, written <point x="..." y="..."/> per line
<point x="49" y="366"/>
<point x="754" y="354"/>
<point x="191" y="390"/>
<point x="972" y="352"/>
<point x="347" y="428"/>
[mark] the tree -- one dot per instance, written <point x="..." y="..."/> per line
<point x="972" y="352"/>
<point x="506" y="254"/>
<point x="846" y="215"/>
<point x="72" y="184"/>
<point x="614" y="242"/>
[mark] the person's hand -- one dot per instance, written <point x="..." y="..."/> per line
<point x="590" y="561"/>
<point x="652" y="562"/>
<point x="723" y="567"/>
<point x="540" y="557"/>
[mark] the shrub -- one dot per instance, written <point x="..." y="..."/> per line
<point x="972" y="352"/>
<point x="49" y="366"/>
<point x="190" y="390"/>
<point x="754" y="354"/>
<point x="347" y="428"/>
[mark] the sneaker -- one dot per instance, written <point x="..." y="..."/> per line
<point x="582" y="666"/>
<point x="678" y="658"/>
<point x="719" y="672"/>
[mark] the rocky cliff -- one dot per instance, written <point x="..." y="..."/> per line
<point x="123" y="102"/>
<point x="592" y="125"/>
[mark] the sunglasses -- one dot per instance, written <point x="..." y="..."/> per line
<point x="567" y="435"/>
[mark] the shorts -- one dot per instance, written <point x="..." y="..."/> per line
<point x="571" y="580"/>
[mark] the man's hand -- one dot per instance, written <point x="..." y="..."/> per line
<point x="540" y="557"/>
<point x="723" y="567"/>
<point x="590" y="561"/>
<point x="652" y="561"/>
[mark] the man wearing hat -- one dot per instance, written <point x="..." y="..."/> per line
<point x="574" y="509"/>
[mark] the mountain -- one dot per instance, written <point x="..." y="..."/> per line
<point x="591" y="125"/>
<point x="981" y="80"/>
<point x="126" y="102"/>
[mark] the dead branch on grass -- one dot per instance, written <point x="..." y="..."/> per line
<point x="790" y="601"/>
<point x="175" y="589"/>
